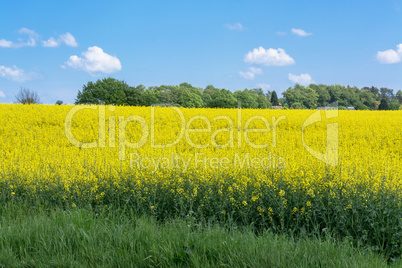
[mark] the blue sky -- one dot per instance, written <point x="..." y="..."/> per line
<point x="56" y="47"/>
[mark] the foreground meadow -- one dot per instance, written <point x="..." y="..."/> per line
<point x="300" y="172"/>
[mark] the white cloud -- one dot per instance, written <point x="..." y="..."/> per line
<point x="235" y="26"/>
<point x="250" y="74"/>
<point x="50" y="43"/>
<point x="12" y="73"/>
<point x="264" y="86"/>
<point x="33" y="36"/>
<point x="390" y="56"/>
<point x="268" y="57"/>
<point x="6" y="43"/>
<point x="95" y="61"/>
<point x="31" y="42"/>
<point x="66" y="38"/>
<point x="302" y="79"/>
<point x="2" y="95"/>
<point x="300" y="32"/>
<point x="28" y="32"/>
<point x="16" y="74"/>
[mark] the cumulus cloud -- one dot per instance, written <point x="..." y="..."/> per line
<point x="300" y="32"/>
<point x="250" y="74"/>
<point x="235" y="26"/>
<point x="268" y="57"/>
<point x="67" y="39"/>
<point x="302" y="79"/>
<point x="16" y="74"/>
<point x="264" y="86"/>
<point x="31" y="42"/>
<point x="95" y="61"/>
<point x="2" y="95"/>
<point x="390" y="56"/>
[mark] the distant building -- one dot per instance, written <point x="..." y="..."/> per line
<point x="350" y="108"/>
<point x="277" y="107"/>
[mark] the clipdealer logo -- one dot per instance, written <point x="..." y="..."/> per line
<point x="330" y="156"/>
<point x="148" y="132"/>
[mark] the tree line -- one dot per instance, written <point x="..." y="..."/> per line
<point x="112" y="91"/>
<point x="116" y="92"/>
<point x="366" y="98"/>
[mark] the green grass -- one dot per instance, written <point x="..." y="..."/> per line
<point x="370" y="217"/>
<point x="31" y="236"/>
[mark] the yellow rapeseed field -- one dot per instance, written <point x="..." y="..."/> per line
<point x="278" y="168"/>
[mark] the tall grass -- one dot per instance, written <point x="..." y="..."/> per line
<point x="370" y="218"/>
<point x="79" y="237"/>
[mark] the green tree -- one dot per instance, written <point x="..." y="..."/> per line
<point x="207" y="99"/>
<point x="394" y="105"/>
<point x="335" y="92"/>
<point x="293" y="95"/>
<point x="304" y="97"/>
<point x="399" y="96"/>
<point x="257" y="91"/>
<point x="274" y="99"/>
<point x="310" y="98"/>
<point x="376" y="92"/>
<point x="167" y="94"/>
<point x="268" y="95"/>
<point x="210" y="90"/>
<point x="223" y="98"/>
<point x="106" y="91"/>
<point x="387" y="94"/>
<point x="208" y="94"/>
<point x="263" y="102"/>
<point x="149" y="97"/>
<point x="184" y="95"/>
<point x="186" y="85"/>
<point x="246" y="98"/>
<point x="323" y="94"/>
<point x="297" y="105"/>
<point x="350" y="97"/>
<point x="367" y="98"/>
<point x="133" y="95"/>
<point x="190" y="99"/>
<point x="383" y="105"/>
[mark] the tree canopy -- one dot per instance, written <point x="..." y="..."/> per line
<point x="274" y="99"/>
<point x="366" y="98"/>
<point x="113" y="91"/>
